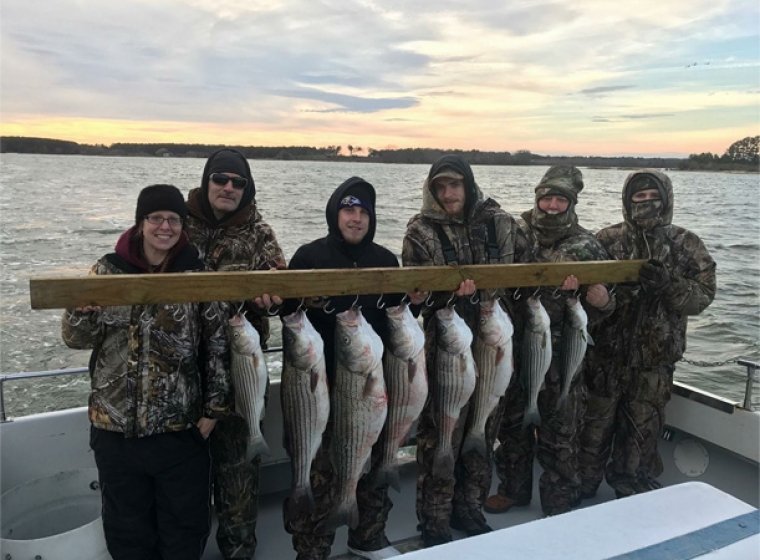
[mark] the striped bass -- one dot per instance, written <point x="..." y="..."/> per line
<point x="359" y="408"/>
<point x="407" y="385"/>
<point x="248" y="371"/>
<point x="536" y="357"/>
<point x="575" y="340"/>
<point x="454" y="383"/>
<point x="495" y="364"/>
<point x="305" y="403"/>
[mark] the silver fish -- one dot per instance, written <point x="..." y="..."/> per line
<point x="536" y="357"/>
<point x="407" y="385"/>
<point x="455" y="379"/>
<point x="359" y="408"/>
<point x="575" y="340"/>
<point x="495" y="363"/>
<point x="305" y="402"/>
<point x="249" y="375"/>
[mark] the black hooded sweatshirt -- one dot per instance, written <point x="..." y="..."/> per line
<point x="333" y="252"/>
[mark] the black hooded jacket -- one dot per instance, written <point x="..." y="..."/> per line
<point x="333" y="252"/>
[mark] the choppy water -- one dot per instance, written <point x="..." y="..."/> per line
<point x="61" y="213"/>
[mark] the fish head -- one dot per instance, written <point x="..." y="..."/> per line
<point x="244" y="339"/>
<point x="301" y="343"/>
<point x="576" y="314"/>
<point x="405" y="337"/>
<point x="538" y="318"/>
<point x="494" y="325"/>
<point x="453" y="332"/>
<point x="356" y="344"/>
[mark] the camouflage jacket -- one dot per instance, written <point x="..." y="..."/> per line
<point x="245" y="242"/>
<point x="646" y="329"/>
<point x="577" y="244"/>
<point x="468" y="237"/>
<point x="146" y="373"/>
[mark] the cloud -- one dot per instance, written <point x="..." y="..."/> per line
<point x="604" y="89"/>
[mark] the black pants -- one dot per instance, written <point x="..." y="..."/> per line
<point x="156" y="494"/>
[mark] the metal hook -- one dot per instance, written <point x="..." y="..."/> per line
<point x="301" y="304"/>
<point x="538" y="289"/>
<point x="556" y="294"/>
<point x="273" y="310"/>
<point x="380" y="303"/>
<point x="516" y="295"/>
<point x="474" y="299"/>
<point x="240" y="308"/>
<point x="356" y="302"/>
<point x="451" y="300"/>
<point x="429" y="301"/>
<point x="612" y="289"/>
<point x="576" y="292"/>
<point x="210" y="313"/>
<point x="70" y="319"/>
<point x="404" y="299"/>
<point x="326" y="308"/>
<point x="179" y="314"/>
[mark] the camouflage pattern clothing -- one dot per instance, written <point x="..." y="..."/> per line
<point x="145" y="373"/>
<point x="631" y="365"/>
<point x="458" y="501"/>
<point x="240" y="241"/>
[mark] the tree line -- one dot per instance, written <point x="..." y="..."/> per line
<point x="741" y="155"/>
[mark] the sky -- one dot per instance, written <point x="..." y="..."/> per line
<point x="592" y="77"/>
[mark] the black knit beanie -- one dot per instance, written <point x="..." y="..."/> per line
<point x="160" y="197"/>
<point x="227" y="161"/>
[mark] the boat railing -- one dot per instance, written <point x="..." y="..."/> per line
<point x="751" y="365"/>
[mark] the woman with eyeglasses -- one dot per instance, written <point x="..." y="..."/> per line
<point x="225" y="225"/>
<point x="159" y="383"/>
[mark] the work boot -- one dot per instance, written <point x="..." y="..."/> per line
<point x="470" y="526"/>
<point x="434" y="538"/>
<point x="499" y="503"/>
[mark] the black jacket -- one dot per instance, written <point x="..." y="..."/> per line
<point x="332" y="252"/>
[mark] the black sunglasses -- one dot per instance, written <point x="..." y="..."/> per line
<point x="221" y="179"/>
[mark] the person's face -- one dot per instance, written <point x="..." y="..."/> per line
<point x="450" y="195"/>
<point x="553" y="204"/>
<point x="646" y="194"/>
<point x="353" y="224"/>
<point x="161" y="231"/>
<point x="224" y="195"/>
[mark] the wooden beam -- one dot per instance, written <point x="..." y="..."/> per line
<point x="130" y="289"/>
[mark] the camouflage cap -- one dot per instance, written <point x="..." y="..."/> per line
<point x="564" y="180"/>
<point x="447" y="172"/>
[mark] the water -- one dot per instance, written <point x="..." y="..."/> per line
<point x="60" y="214"/>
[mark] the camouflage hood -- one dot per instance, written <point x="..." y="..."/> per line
<point x="561" y="180"/>
<point x="653" y="179"/>
<point x="430" y="206"/>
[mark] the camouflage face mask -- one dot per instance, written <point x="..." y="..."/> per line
<point x="643" y="213"/>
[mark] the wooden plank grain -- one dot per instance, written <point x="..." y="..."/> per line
<point x="132" y="289"/>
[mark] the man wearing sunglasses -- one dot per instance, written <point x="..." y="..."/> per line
<point x="227" y="228"/>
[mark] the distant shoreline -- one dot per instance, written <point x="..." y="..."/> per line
<point x="49" y="146"/>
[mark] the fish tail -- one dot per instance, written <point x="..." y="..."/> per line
<point x="443" y="463"/>
<point x="562" y="399"/>
<point x="387" y="474"/>
<point x="532" y="417"/>
<point x="474" y="441"/>
<point x="257" y="446"/>
<point x="347" y="513"/>
<point x="301" y="502"/>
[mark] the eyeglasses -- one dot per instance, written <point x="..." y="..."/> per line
<point x="159" y="220"/>
<point x="222" y="179"/>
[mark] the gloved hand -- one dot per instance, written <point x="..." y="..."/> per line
<point x="654" y="277"/>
